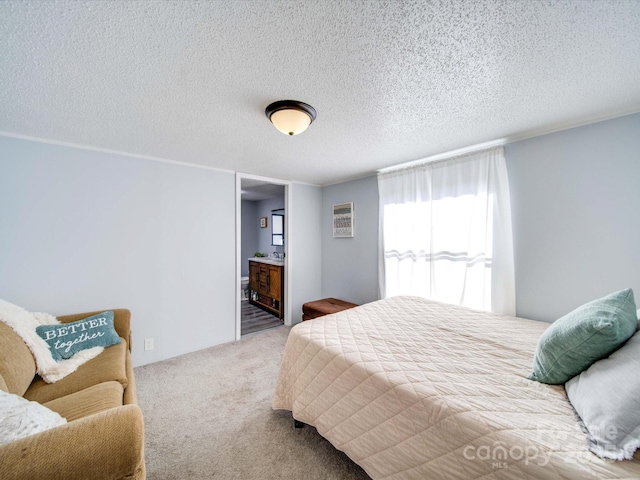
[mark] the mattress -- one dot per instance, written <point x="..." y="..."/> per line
<point x="414" y="389"/>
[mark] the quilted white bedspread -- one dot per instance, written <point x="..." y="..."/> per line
<point x="414" y="389"/>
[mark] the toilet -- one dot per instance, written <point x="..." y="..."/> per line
<point x="244" y="288"/>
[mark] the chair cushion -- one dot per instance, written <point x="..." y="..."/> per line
<point x="109" y="365"/>
<point x="86" y="402"/>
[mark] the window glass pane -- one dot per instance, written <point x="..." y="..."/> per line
<point x="277" y="224"/>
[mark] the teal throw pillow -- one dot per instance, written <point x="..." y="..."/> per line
<point x="67" y="339"/>
<point x="590" y="332"/>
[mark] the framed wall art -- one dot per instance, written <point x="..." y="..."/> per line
<point x="343" y="220"/>
<point x="263" y="222"/>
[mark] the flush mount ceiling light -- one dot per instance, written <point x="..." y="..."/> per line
<point x="290" y="116"/>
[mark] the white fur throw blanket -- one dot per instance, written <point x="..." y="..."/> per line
<point x="24" y="324"/>
<point x="20" y="418"/>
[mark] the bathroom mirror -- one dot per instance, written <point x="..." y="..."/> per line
<point x="277" y="229"/>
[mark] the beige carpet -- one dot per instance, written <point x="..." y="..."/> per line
<point x="208" y="415"/>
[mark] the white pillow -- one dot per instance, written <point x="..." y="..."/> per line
<point x="24" y="324"/>
<point x="20" y="418"/>
<point x="606" y="398"/>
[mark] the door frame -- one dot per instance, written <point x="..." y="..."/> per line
<point x="288" y="264"/>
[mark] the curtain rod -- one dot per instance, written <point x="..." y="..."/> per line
<point x="461" y="152"/>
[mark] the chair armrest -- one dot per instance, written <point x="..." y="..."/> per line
<point x="121" y="321"/>
<point x="107" y="445"/>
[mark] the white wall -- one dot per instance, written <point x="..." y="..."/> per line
<point x="350" y="265"/>
<point x="84" y="230"/>
<point x="304" y="247"/>
<point x="576" y="215"/>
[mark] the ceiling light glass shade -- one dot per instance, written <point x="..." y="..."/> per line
<point x="290" y="116"/>
<point x="291" y="122"/>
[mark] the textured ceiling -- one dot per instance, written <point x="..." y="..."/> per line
<point x="392" y="81"/>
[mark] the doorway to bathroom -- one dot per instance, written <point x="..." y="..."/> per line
<point x="262" y="220"/>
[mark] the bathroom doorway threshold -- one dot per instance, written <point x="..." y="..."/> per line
<point x="254" y="319"/>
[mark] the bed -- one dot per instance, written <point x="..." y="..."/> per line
<point x="410" y="388"/>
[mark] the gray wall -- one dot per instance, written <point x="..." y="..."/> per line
<point x="254" y="238"/>
<point x="84" y="230"/>
<point x="350" y="265"/>
<point x="304" y="246"/>
<point x="249" y="232"/>
<point x="575" y="200"/>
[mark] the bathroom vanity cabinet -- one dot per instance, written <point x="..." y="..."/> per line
<point x="266" y="286"/>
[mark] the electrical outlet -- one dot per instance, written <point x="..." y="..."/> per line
<point x="148" y="343"/>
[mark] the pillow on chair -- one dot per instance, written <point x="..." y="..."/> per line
<point x="24" y="324"/>
<point x="67" y="339"/>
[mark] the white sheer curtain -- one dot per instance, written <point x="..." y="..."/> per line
<point x="445" y="232"/>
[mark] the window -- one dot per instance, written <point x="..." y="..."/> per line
<point x="277" y="229"/>
<point x="439" y="237"/>
<point x="432" y="245"/>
